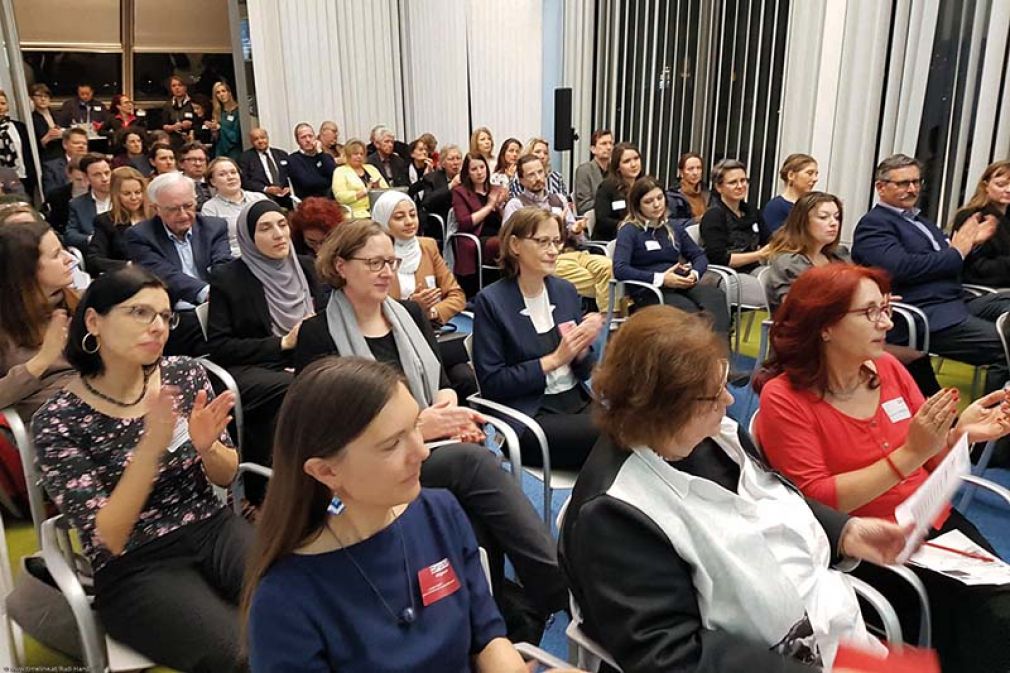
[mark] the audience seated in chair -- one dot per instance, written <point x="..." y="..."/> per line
<point x="555" y="183"/>
<point x="845" y="422"/>
<point x="391" y="166"/>
<point x="265" y="169"/>
<point x="161" y="157"/>
<point x="329" y="140"/>
<point x="394" y="539"/>
<point x="611" y="204"/>
<point x="437" y="185"/>
<point x="420" y="165"/>
<point x="654" y="248"/>
<point x="229" y="198"/>
<point x="257" y="305"/>
<point x="690" y="198"/>
<point x="589" y="175"/>
<point x="682" y="549"/>
<point x="353" y="180"/>
<point x="799" y="176"/>
<point x="130" y="146"/>
<point x="311" y="168"/>
<point x="590" y="274"/>
<point x="925" y="269"/>
<point x="477" y="206"/>
<point x="532" y="348"/>
<point x="107" y="250"/>
<point x="312" y="221"/>
<point x="989" y="264"/>
<point x="181" y="248"/>
<point x="57" y="206"/>
<point x="87" y="206"/>
<point x="193" y="164"/>
<point x="129" y="453"/>
<point x="54" y="171"/>
<point x="507" y="163"/>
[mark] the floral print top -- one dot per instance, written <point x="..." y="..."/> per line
<point x="81" y="454"/>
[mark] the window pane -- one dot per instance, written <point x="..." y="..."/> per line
<point x="151" y="73"/>
<point x="194" y="25"/>
<point x="61" y="71"/>
<point x="76" y="24"/>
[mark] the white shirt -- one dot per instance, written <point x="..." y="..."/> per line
<point x="266" y="167"/>
<point x="542" y="315"/>
<point x="103" y="205"/>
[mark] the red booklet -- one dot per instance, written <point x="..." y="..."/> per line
<point x="904" y="660"/>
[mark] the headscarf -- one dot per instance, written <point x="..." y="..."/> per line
<point x="408" y="251"/>
<point x="289" y="299"/>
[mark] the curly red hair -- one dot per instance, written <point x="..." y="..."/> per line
<point x="314" y="213"/>
<point x="819" y="298"/>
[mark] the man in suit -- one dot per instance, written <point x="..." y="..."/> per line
<point x="181" y="248"/>
<point x="54" y="171"/>
<point x="83" y="109"/>
<point x="86" y="207"/>
<point x="193" y="162"/>
<point x="438" y="186"/>
<point x="57" y="205"/>
<point x="311" y="168"/>
<point x="925" y="268"/>
<point x="265" y="169"/>
<point x="391" y="165"/>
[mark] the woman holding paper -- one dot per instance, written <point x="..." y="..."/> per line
<point x="846" y="422"/>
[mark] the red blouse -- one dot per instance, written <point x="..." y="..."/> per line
<point x="810" y="441"/>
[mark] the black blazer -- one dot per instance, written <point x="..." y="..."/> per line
<point x="238" y="329"/>
<point x="989" y="263"/>
<point x="58" y="207"/>
<point x="608" y="218"/>
<point x="254" y="178"/>
<point x="54" y="173"/>
<point x="398" y="176"/>
<point x="107" y="247"/>
<point x="40" y="127"/>
<point x="314" y="339"/>
<point x="437" y="197"/>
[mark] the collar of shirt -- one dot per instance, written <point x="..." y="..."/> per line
<point x="175" y="239"/>
<point x="107" y="202"/>
<point x="179" y="104"/>
<point x="909" y="214"/>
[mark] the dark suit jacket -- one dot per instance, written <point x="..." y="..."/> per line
<point x="54" y="173"/>
<point x="81" y="223"/>
<point x="239" y="331"/>
<point x="989" y="263"/>
<point x="437" y="197"/>
<point x="107" y="248"/>
<point x="397" y="175"/>
<point x="254" y="178"/>
<point x="507" y="349"/>
<point x="40" y="127"/>
<point x="57" y="208"/>
<point x="149" y="246"/>
<point x="924" y="277"/>
<point x="26" y="152"/>
<point x="75" y="112"/>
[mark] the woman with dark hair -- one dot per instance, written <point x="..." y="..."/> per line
<point x="312" y="221"/>
<point x="733" y="233"/>
<point x="419" y="166"/>
<point x="845" y="422"/>
<point x="611" y="204"/>
<point x="367" y="567"/>
<point x="799" y="175"/>
<point x="683" y="551"/>
<point x="130" y="451"/>
<point x="122" y="114"/>
<point x="477" y="205"/>
<point x="131" y="147"/>
<point x="162" y="159"/>
<point x="508" y="160"/>
<point x="107" y="247"/>
<point x="257" y="304"/>
<point x="362" y="320"/>
<point x="653" y="248"/>
<point x="690" y="199"/>
<point x="989" y="263"/>
<point x="35" y="302"/>
<point x="532" y="348"/>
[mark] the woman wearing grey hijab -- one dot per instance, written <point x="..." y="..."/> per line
<point x="257" y="304"/>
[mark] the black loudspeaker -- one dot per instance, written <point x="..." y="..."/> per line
<point x="564" y="134"/>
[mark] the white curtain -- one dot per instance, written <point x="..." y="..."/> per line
<point x="579" y="43"/>
<point x="505" y="53"/>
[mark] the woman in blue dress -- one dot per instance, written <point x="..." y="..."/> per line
<point x="225" y="123"/>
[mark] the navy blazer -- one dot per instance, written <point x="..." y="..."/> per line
<point x="924" y="277"/>
<point x="54" y="173"/>
<point x="506" y="348"/>
<point x="149" y="246"/>
<point x="81" y="221"/>
<point x="640" y="253"/>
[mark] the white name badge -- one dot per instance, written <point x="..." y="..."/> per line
<point x="230" y="118"/>
<point x="556" y="210"/>
<point x="180" y="435"/>
<point x="755" y="227"/>
<point x="97" y="108"/>
<point x="141" y="113"/>
<point x="618" y="205"/>
<point x="896" y="409"/>
<point x="283" y="162"/>
<point x="319" y="164"/>
<point x="652" y="245"/>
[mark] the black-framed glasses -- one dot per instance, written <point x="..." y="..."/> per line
<point x="905" y="184"/>
<point x="725" y="382"/>
<point x="874" y="313"/>
<point x="545" y="242"/>
<point x="145" y="315"/>
<point x="375" y="264"/>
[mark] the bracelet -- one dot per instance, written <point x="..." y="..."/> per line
<point x="894" y="468"/>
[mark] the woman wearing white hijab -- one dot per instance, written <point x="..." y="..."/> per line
<point x="257" y="305"/>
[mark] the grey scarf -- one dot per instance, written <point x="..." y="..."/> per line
<point x="419" y="363"/>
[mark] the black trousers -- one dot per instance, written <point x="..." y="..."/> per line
<point x="975" y="341"/>
<point x="970" y="623"/>
<point x="187" y="337"/>
<point x="175" y="599"/>
<point x="502" y="518"/>
<point x="262" y="390"/>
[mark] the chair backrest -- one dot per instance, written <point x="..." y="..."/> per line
<point x="203" y="315"/>
<point x="33" y="478"/>
<point x="764" y="277"/>
<point x="590" y="223"/>
<point x="1001" y="330"/>
<point x="451" y="227"/>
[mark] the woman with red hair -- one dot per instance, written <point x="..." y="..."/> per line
<point x="312" y="221"/>
<point x="845" y="421"/>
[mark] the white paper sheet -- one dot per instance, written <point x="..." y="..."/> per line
<point x="964" y="569"/>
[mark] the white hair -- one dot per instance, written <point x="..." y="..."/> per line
<point x="166" y="181"/>
<point x="380" y="132"/>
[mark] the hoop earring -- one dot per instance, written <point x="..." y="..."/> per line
<point x="84" y="343"/>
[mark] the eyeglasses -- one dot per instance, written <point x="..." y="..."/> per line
<point x="874" y="313"/>
<point x="725" y="382"/>
<point x="195" y="160"/>
<point x="546" y="242"/>
<point x="375" y="264"/>
<point x="177" y="210"/>
<point x="905" y="184"/>
<point x="145" y="315"/>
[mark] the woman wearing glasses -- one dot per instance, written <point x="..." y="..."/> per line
<point x="532" y="348"/>
<point x="359" y="261"/>
<point x="846" y="422"/>
<point x="129" y="452"/>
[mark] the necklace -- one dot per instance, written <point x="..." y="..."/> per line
<point x="408" y="614"/>
<point x="119" y="403"/>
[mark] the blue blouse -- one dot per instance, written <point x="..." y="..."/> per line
<point x="639" y="254"/>
<point x="314" y="613"/>
<point x="775" y="213"/>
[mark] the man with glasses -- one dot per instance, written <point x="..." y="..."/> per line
<point x="193" y="162"/>
<point x="181" y="247"/>
<point x="925" y="268"/>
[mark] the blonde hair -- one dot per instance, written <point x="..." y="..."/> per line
<point x="980" y="199"/>
<point x="352" y="145"/>
<point x="475" y="136"/>
<point x="218" y="108"/>
<point x="533" y="142"/>
<point x="120" y="175"/>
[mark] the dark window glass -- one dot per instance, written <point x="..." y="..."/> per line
<point x="152" y="71"/>
<point x="61" y="71"/>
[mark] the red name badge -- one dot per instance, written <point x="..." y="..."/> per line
<point x="437" y="581"/>
<point x="905" y="660"/>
